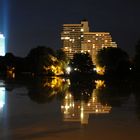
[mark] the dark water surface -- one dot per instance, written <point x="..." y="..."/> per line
<point x="60" y="109"/>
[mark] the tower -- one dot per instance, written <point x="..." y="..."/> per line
<point x="2" y="45"/>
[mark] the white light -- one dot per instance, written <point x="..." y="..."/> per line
<point x="96" y="110"/>
<point x="62" y="107"/>
<point x="2" y="36"/>
<point x="67" y="107"/>
<point x="2" y="97"/>
<point x="1" y="105"/>
<point x="82" y="30"/>
<point x="88" y="104"/>
<point x="67" y="38"/>
<point x="62" y="38"/>
<point x="68" y="70"/>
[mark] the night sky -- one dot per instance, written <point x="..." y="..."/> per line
<point x="29" y="23"/>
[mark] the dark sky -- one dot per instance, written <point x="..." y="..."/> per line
<point x="39" y="22"/>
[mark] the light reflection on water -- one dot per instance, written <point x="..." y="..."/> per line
<point x="55" y="105"/>
<point x="2" y="97"/>
<point x="78" y="111"/>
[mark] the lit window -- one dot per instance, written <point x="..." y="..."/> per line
<point x="66" y="32"/>
<point x="82" y="30"/>
<point x="82" y="35"/>
<point x="88" y="40"/>
<point x="66" y="48"/>
<point x="67" y="38"/>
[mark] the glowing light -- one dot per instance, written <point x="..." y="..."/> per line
<point x="82" y="115"/>
<point x="99" y="83"/>
<point x="5" y="23"/>
<point x="100" y="70"/>
<point x="88" y="104"/>
<point x="2" y="97"/>
<point x="96" y="110"/>
<point x="68" y="70"/>
<point x="2" y="45"/>
<point x="67" y="38"/>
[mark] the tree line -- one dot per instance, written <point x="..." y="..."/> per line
<point x="40" y="60"/>
<point x="45" y="61"/>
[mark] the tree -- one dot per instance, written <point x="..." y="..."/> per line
<point x="62" y="58"/>
<point x="114" y="60"/>
<point x="41" y="57"/>
<point x="82" y="63"/>
<point x="137" y="57"/>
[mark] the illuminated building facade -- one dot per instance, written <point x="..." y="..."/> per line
<point x="94" y="41"/>
<point x="71" y="37"/>
<point x="2" y="45"/>
<point x="76" y="38"/>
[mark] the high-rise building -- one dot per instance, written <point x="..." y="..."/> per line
<point x="94" y="41"/>
<point x="2" y="45"/>
<point x="76" y="38"/>
<point x="71" y="37"/>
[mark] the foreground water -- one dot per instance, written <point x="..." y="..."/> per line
<point x="58" y="109"/>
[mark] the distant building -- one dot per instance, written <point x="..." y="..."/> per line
<point x="2" y="45"/>
<point x="76" y="38"/>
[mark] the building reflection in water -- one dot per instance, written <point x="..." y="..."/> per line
<point x="79" y="111"/>
<point x="2" y="97"/>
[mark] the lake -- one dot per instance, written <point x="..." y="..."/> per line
<point x="64" y="109"/>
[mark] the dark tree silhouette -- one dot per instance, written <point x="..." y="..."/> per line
<point x="40" y="57"/>
<point x="114" y="60"/>
<point x="137" y="58"/>
<point x="82" y="63"/>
